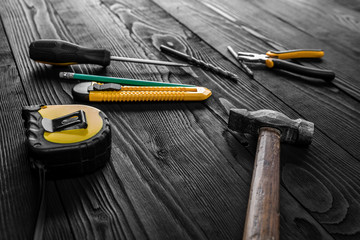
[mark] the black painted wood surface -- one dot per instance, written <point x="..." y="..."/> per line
<point x="176" y="170"/>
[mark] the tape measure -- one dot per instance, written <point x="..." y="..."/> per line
<point x="67" y="140"/>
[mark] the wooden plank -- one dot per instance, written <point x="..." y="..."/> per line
<point x="337" y="23"/>
<point x="155" y="177"/>
<point x="138" y="124"/>
<point x="279" y="26"/>
<point x="57" y="225"/>
<point x="328" y="107"/>
<point x="157" y="219"/>
<point x="336" y="28"/>
<point x="19" y="185"/>
<point x="190" y="17"/>
<point x="128" y="19"/>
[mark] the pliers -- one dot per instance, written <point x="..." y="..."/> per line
<point x="275" y="59"/>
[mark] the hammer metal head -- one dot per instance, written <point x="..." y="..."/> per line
<point x="298" y="131"/>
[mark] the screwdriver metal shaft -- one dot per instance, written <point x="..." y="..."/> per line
<point x="148" y="61"/>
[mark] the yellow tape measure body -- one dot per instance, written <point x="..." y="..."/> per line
<point x="95" y="123"/>
<point x="68" y="140"/>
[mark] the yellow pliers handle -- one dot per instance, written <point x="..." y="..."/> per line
<point x="296" y="53"/>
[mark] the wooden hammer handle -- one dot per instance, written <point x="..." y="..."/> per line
<point x="262" y="218"/>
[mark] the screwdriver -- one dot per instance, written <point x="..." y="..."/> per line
<point x="63" y="53"/>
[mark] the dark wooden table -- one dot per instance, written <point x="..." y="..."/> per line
<point x="176" y="170"/>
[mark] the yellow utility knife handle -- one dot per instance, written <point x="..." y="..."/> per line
<point x="135" y="94"/>
<point x="296" y="53"/>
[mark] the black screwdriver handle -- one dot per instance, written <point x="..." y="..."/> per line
<point x="59" y="52"/>
<point x="326" y="75"/>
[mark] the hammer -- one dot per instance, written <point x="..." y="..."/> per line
<point x="263" y="216"/>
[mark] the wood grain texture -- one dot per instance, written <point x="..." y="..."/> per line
<point x="57" y="225"/>
<point x="263" y="212"/>
<point x="148" y="210"/>
<point x="316" y="101"/>
<point x="191" y="18"/>
<point x="17" y="186"/>
<point x="176" y="171"/>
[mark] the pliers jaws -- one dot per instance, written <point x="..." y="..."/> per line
<point x="252" y="57"/>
